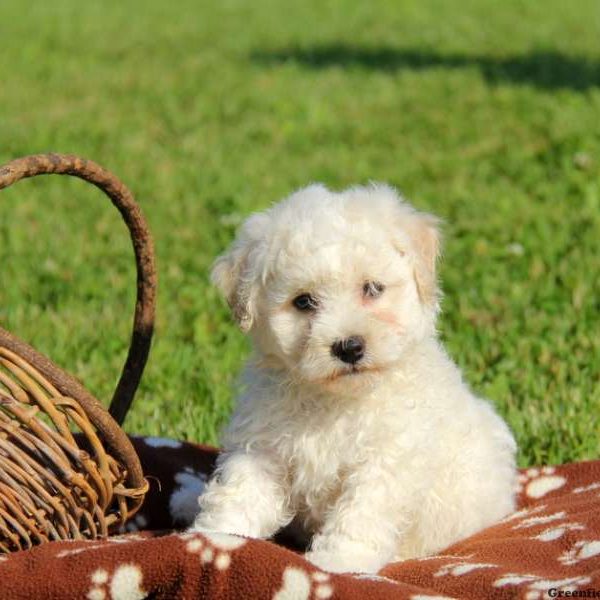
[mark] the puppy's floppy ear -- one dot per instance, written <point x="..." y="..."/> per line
<point x="425" y="236"/>
<point x="416" y="234"/>
<point x="237" y="272"/>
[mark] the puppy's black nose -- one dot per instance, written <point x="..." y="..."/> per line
<point x="350" y="350"/>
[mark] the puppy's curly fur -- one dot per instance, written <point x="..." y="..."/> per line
<point x="354" y="423"/>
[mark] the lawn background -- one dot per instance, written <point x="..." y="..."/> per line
<point x="486" y="113"/>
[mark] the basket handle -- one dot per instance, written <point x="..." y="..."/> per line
<point x="122" y="198"/>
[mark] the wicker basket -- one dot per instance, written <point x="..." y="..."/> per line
<point x="67" y="470"/>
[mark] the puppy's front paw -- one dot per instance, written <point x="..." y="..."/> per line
<point x="234" y="524"/>
<point x="351" y="561"/>
<point x="196" y="527"/>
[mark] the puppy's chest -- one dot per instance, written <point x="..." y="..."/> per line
<point x="318" y="458"/>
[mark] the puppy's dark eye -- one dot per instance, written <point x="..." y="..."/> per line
<point x="373" y="289"/>
<point x="305" y="302"/>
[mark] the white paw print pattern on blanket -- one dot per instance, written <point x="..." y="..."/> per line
<point x="124" y="584"/>
<point x="550" y="534"/>
<point x="592" y="487"/>
<point x="537" y="482"/>
<point x="215" y="548"/>
<point x="138" y="523"/>
<point x="580" y="551"/>
<point x="554" y="533"/>
<point x="461" y="568"/>
<point x="298" y="584"/>
<point x="533" y="521"/>
<point x="183" y="504"/>
<point x="524" y="512"/>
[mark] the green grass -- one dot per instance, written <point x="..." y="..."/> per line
<point x="487" y="114"/>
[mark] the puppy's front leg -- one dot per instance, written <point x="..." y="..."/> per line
<point x="362" y="530"/>
<point x="247" y="496"/>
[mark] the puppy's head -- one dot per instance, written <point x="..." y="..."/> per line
<point x="334" y="287"/>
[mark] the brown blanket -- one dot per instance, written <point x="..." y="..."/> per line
<point x="550" y="548"/>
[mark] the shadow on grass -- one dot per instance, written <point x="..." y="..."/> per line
<point x="547" y="69"/>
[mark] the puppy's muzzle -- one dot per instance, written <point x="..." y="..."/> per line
<point x="350" y="350"/>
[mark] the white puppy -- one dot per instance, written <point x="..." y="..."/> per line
<point x="354" y="422"/>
